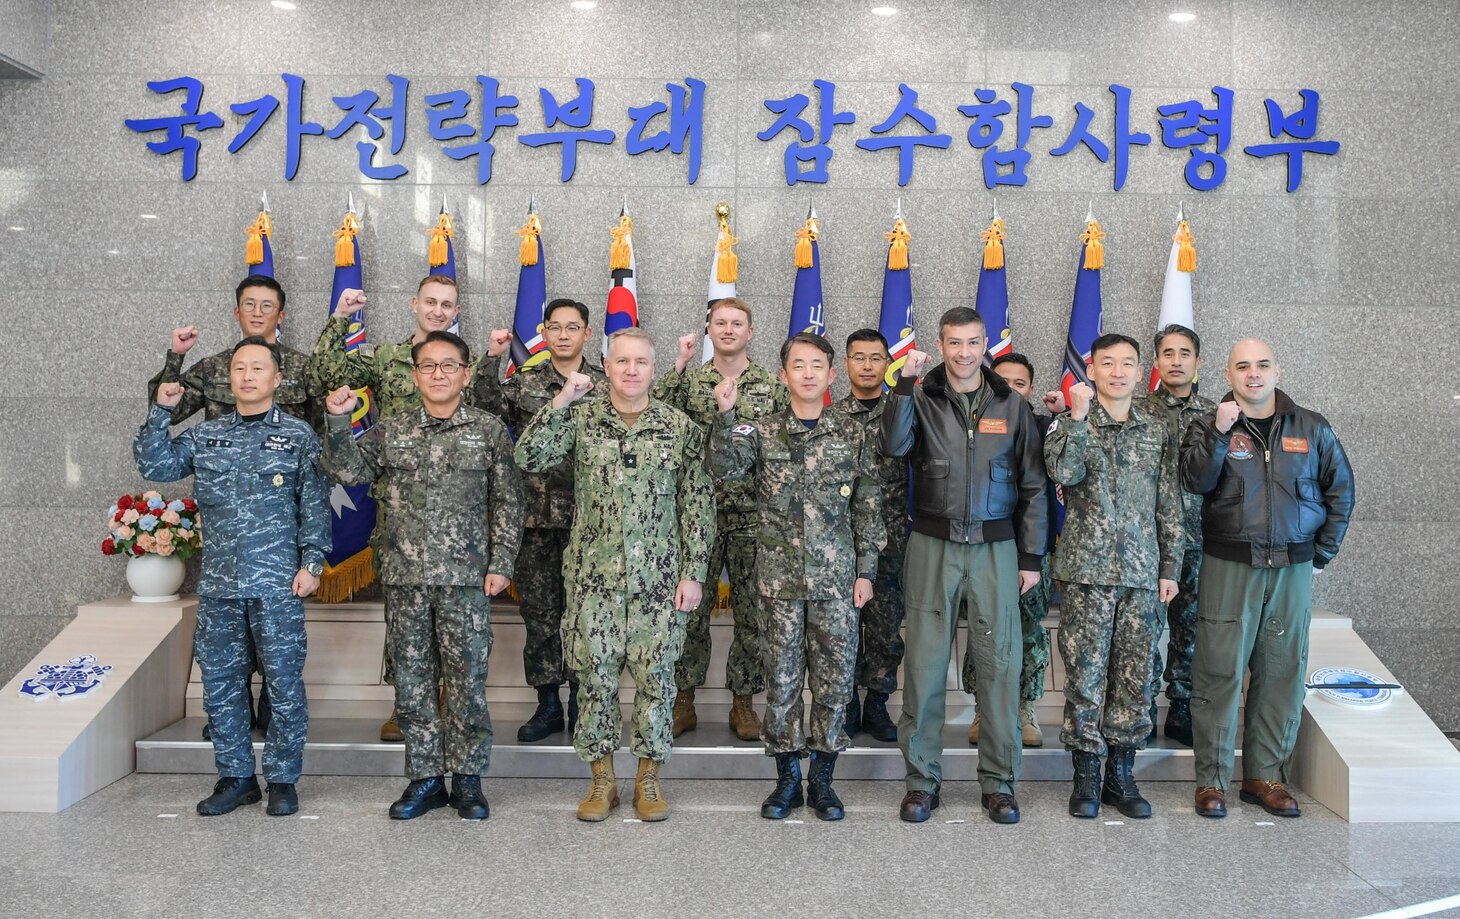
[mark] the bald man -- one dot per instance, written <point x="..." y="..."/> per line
<point x="1278" y="495"/>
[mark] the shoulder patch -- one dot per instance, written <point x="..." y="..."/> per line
<point x="743" y="429"/>
<point x="1053" y="425"/>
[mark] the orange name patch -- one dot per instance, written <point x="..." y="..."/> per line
<point x="1295" y="445"/>
<point x="993" y="426"/>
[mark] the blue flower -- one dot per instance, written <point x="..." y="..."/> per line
<point x="175" y="506"/>
<point x="156" y="504"/>
<point x="185" y="523"/>
<point x="148" y="523"/>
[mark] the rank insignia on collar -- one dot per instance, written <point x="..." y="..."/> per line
<point x="846" y="491"/>
<point x="278" y="479"/>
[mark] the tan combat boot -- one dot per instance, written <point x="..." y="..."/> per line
<point x="649" y="801"/>
<point x="390" y="731"/>
<point x="973" y="728"/>
<point x="602" y="793"/>
<point x="1029" y="725"/>
<point x="743" y="719"/>
<point x="685" y="718"/>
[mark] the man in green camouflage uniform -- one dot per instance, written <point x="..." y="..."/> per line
<point x="1177" y="403"/>
<point x="692" y="390"/>
<point x="637" y="558"/>
<point x="1117" y="557"/>
<point x="444" y="474"/>
<point x="387" y="371"/>
<point x="548" y="516"/>
<point x="879" y="650"/>
<point x="819" y="533"/>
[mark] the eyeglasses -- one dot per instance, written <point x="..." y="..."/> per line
<point x="867" y="359"/>
<point x="427" y="368"/>
<point x="248" y="306"/>
<point x="572" y="328"/>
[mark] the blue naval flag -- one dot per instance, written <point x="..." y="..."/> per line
<point x="992" y="301"/>
<point x="895" y="320"/>
<point x="528" y="346"/>
<point x="258" y="252"/>
<point x="1086" y="323"/>
<point x="806" y="303"/>
<point x="441" y="256"/>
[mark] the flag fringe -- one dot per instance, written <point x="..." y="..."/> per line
<point x="339" y="582"/>
<point x="897" y="250"/>
<point x="439" y="248"/>
<point x="722" y="600"/>
<point x="618" y="252"/>
<point x="993" y="245"/>
<point x="727" y="263"/>
<point x="1094" y="248"/>
<point x="530" y="232"/>
<point x="345" y="240"/>
<point x="1186" y="253"/>
<point x="253" y="250"/>
<point x="804" y="238"/>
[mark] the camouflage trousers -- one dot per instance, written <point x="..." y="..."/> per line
<point x="804" y="639"/>
<point x="1033" y="608"/>
<point x="606" y="631"/>
<point x="539" y="582"/>
<point x="441" y="634"/>
<point x="224" y="652"/>
<point x="880" y="646"/>
<point x="1106" y="637"/>
<point x="1181" y="619"/>
<point x="734" y="550"/>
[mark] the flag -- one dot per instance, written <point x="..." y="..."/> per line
<point x="258" y="251"/>
<point x="622" y="310"/>
<point x="1085" y="312"/>
<point x="895" y="320"/>
<point x="528" y="346"/>
<point x="992" y="301"/>
<point x="441" y="255"/>
<point x="807" y="314"/>
<point x="724" y="270"/>
<point x="1176" y="307"/>
<point x="348" y="566"/>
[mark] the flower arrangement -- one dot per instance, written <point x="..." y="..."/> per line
<point x="148" y="522"/>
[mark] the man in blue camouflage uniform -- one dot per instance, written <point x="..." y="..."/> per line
<point x="265" y="504"/>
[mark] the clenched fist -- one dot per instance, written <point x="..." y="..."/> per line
<point x="1227" y="413"/>
<point x="169" y="394"/>
<point x="183" y="339"/>
<point x="575" y="387"/>
<point x="341" y="401"/>
<point x="686" y="353"/>
<point x="726" y="392"/>
<point x="1081" y="395"/>
<point x="498" y="342"/>
<point x="917" y="364"/>
<point x="351" y="301"/>
<point x="1054" y="402"/>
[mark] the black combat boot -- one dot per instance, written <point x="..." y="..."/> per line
<point x="572" y="708"/>
<point x="1085" y="799"/>
<point x="420" y="796"/>
<point x="548" y="719"/>
<point x="875" y="719"/>
<point x="1120" y="784"/>
<point x="853" y="721"/>
<point x="787" y="794"/>
<point x="819" y="793"/>
<point x="283" y="799"/>
<point x="228" y="794"/>
<point x="467" y="798"/>
<point x="1178" y="721"/>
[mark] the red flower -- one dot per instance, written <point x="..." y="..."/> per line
<point x="189" y="504"/>
<point x="124" y="502"/>
<point x="137" y="550"/>
<point x="108" y="546"/>
<point x="118" y="517"/>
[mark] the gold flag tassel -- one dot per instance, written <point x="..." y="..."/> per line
<point x="530" y="233"/>
<point x="897" y="250"/>
<point x="345" y="240"/>
<point x="804" y="238"/>
<point x="440" y="233"/>
<point x="1186" y="254"/>
<point x="618" y="253"/>
<point x="1094" y="248"/>
<point x="339" y="582"/>
<point x="993" y="245"/>
<point x="253" y="250"/>
<point x="727" y="263"/>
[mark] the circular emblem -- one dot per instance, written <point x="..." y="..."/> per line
<point x="1344" y="686"/>
<point x="1241" y="448"/>
<point x="846" y="491"/>
<point x="278" y="479"/>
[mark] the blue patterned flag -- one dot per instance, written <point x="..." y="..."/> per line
<point x="528" y="346"/>
<point x="441" y="256"/>
<point x="1086" y="321"/>
<point x="895" y="320"/>
<point x="992" y="301"/>
<point x="806" y="303"/>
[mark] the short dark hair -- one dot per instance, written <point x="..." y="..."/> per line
<point x="452" y="340"/>
<point x="867" y="335"/>
<point x="807" y="338"/>
<point x="1110" y="340"/>
<point x="565" y="303"/>
<point x="258" y="280"/>
<point x="959" y="315"/>
<point x="1178" y="329"/>
<point x="262" y="343"/>
<point x="1014" y="357"/>
<point x="446" y="279"/>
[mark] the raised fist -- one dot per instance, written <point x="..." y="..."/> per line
<point x="183" y="339"/>
<point x="1081" y="395"/>
<point x="351" y="301"/>
<point x="687" y="343"/>
<point x="498" y="342"/>
<point x="1227" y="413"/>
<point x="917" y="364"/>
<point x="341" y="401"/>
<point x="574" y="388"/>
<point x="1054" y="402"/>
<point x="169" y="394"/>
<point x="726" y="391"/>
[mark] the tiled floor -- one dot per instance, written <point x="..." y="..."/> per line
<point x="117" y="854"/>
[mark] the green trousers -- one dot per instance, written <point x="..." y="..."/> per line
<point x="941" y="580"/>
<point x="1249" y="620"/>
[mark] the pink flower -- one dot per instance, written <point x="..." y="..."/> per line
<point x="131" y="516"/>
<point x="148" y="495"/>
<point x="164" y="537"/>
<point x="124" y="532"/>
<point x="147" y="543"/>
<point x="165" y="549"/>
<point x="171" y="517"/>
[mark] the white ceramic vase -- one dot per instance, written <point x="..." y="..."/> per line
<point x="155" y="578"/>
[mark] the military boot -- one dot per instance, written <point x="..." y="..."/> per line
<point x="572" y="717"/>
<point x="685" y="718"/>
<point x="819" y="793"/>
<point x="467" y="798"/>
<point x="390" y="731"/>
<point x="743" y="719"/>
<point x="875" y="719"/>
<point x="283" y="799"/>
<point x="548" y="719"/>
<point x="973" y="729"/>
<point x="649" y="801"/>
<point x="421" y="795"/>
<point x="1085" y="799"/>
<point x="602" y="792"/>
<point x="852" y="723"/>
<point x="1120" y="784"/>
<point x="1029" y="731"/>
<point x="787" y="794"/>
<point x="1178" y="721"/>
<point x="230" y="793"/>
